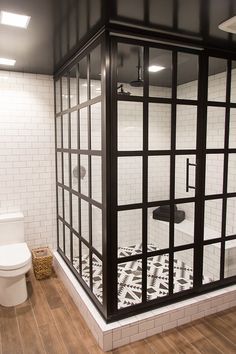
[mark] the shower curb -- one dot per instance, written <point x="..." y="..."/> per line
<point x="114" y="335"/>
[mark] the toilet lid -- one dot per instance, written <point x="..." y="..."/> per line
<point x="14" y="256"/>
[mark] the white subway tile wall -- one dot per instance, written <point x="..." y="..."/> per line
<point x="27" y="153"/>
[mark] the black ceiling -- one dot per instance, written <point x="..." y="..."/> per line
<point x="57" y="27"/>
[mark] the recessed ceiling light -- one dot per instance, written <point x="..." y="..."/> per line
<point x="8" y="62"/>
<point x="155" y="68"/>
<point x="11" y="19"/>
<point x="228" y="25"/>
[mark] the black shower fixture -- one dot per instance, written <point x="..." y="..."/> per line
<point x="139" y="81"/>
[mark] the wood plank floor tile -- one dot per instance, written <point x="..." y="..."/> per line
<point x="141" y="347"/>
<point x="31" y="339"/>
<point x="215" y="337"/>
<point x="225" y="330"/>
<point x="53" y="344"/>
<point x="198" y="340"/>
<point x="179" y="342"/>
<point x="68" y="333"/>
<point x="159" y="345"/>
<point x="10" y="335"/>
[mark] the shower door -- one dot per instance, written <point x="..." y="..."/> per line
<point x="156" y="169"/>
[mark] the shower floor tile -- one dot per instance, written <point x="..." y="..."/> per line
<point x="130" y="276"/>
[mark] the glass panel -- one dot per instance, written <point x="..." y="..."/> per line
<point x="230" y="258"/>
<point x="214" y="174"/>
<point x="184" y="224"/>
<point x="83" y="173"/>
<point x="96" y="178"/>
<point x="186" y="127"/>
<point x="67" y="206"/>
<point x="95" y="72"/>
<point x="96" y="127"/>
<point x="158" y="178"/>
<point x="76" y="253"/>
<point x="232" y="129"/>
<point x="187" y="76"/>
<point x="67" y="242"/>
<point x="130" y="70"/>
<point x="129" y="180"/>
<point x="97" y="228"/>
<point x="232" y="173"/>
<point x="213" y="219"/>
<point x="157" y="276"/>
<point x="74" y="130"/>
<point x="58" y="129"/>
<point x="183" y="270"/>
<point x="85" y="264"/>
<point x="158" y="228"/>
<point x="215" y="127"/>
<point x="83" y="84"/>
<point x="60" y="205"/>
<point x="129" y="283"/>
<point x="58" y="96"/>
<point x="129" y="232"/>
<point x="75" y="212"/>
<point x="73" y="87"/>
<point x="181" y="168"/>
<point x="211" y="263"/>
<point x="130" y="126"/>
<point x="84" y="129"/>
<point x="65" y="98"/>
<point x="134" y="9"/>
<point x="160" y="73"/>
<point x="66" y="169"/>
<point x="159" y="126"/>
<point x="65" y="121"/>
<point x="74" y="172"/>
<point x="97" y="277"/>
<point x="59" y="167"/>
<point x="60" y="235"/>
<point x="217" y="79"/>
<point x="231" y="217"/>
<point x="85" y="220"/>
<point x="233" y="82"/>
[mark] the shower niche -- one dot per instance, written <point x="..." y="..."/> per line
<point x="146" y="171"/>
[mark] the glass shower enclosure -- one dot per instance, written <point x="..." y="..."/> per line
<point x="146" y="172"/>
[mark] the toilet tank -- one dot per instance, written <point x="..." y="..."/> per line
<point x="11" y="228"/>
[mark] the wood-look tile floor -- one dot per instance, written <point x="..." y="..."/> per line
<point x="49" y="322"/>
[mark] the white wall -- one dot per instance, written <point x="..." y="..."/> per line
<point x="27" y="177"/>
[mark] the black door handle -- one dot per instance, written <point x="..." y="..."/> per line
<point x="188" y="164"/>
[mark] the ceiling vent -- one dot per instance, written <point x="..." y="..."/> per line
<point x="229" y="25"/>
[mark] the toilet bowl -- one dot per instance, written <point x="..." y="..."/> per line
<point x="15" y="260"/>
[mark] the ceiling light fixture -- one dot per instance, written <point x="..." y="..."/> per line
<point x="155" y="68"/>
<point x="16" y="20"/>
<point x="8" y="62"/>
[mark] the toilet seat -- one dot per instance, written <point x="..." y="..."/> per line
<point x="14" y="256"/>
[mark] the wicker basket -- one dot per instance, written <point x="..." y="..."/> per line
<point x="42" y="262"/>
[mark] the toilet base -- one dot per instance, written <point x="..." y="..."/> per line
<point x="13" y="290"/>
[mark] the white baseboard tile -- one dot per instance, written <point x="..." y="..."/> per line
<point x="114" y="335"/>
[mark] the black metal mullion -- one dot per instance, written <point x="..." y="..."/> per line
<point x="172" y="172"/>
<point x="145" y="175"/>
<point x="226" y="163"/>
<point x="89" y="172"/>
<point x="69" y="161"/>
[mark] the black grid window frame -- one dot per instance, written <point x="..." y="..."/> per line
<point x="76" y="192"/>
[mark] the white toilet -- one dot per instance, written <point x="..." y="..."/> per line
<point x="15" y="260"/>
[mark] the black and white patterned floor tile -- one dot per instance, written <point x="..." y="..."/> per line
<point x="130" y="276"/>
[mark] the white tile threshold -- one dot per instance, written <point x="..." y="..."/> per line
<point x="114" y="335"/>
